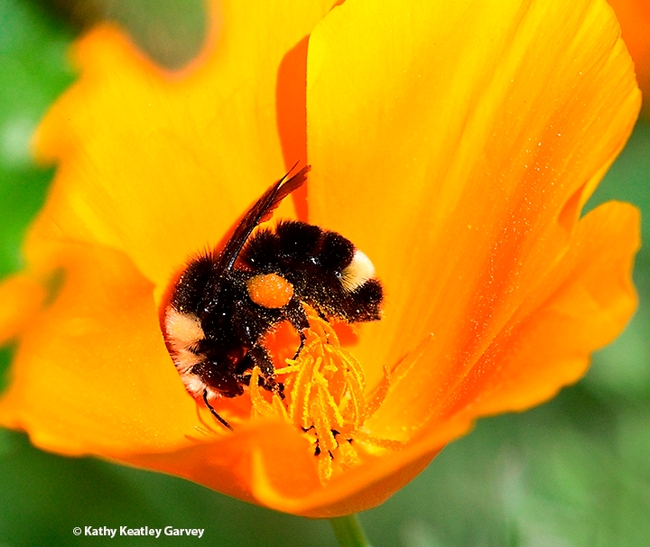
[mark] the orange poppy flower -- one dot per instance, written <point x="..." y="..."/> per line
<point x="634" y="17"/>
<point x="454" y="144"/>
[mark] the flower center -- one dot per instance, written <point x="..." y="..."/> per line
<point x="324" y="397"/>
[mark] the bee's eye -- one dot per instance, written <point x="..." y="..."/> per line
<point x="214" y="376"/>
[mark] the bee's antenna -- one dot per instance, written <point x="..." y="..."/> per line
<point x="214" y="412"/>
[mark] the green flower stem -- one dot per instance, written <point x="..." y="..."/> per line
<point x="349" y="532"/>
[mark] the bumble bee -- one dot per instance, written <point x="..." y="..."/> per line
<point x="224" y="303"/>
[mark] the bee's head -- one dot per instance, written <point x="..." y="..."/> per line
<point x="219" y="378"/>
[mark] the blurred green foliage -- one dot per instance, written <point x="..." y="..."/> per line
<point x="33" y="71"/>
<point x="171" y="31"/>
<point x="572" y="472"/>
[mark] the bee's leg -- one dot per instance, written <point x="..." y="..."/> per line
<point x="245" y="364"/>
<point x="260" y="357"/>
<point x="296" y="315"/>
<point x="301" y="333"/>
<point x="214" y="412"/>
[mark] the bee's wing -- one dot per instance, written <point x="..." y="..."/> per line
<point x="259" y="212"/>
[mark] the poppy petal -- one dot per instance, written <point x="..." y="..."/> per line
<point x="582" y="306"/>
<point x="91" y="373"/>
<point x="489" y="126"/>
<point x="634" y="16"/>
<point x="21" y="296"/>
<point x="209" y="143"/>
<point x="228" y="464"/>
<point x="266" y="463"/>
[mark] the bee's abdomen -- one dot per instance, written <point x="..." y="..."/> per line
<point x="324" y="269"/>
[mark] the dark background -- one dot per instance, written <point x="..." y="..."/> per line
<point x="572" y="472"/>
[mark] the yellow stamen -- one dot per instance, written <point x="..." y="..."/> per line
<point x="324" y="397"/>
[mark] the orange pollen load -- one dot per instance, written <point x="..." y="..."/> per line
<point x="269" y="290"/>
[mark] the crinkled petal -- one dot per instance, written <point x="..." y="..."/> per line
<point x="579" y="309"/>
<point x="634" y="16"/>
